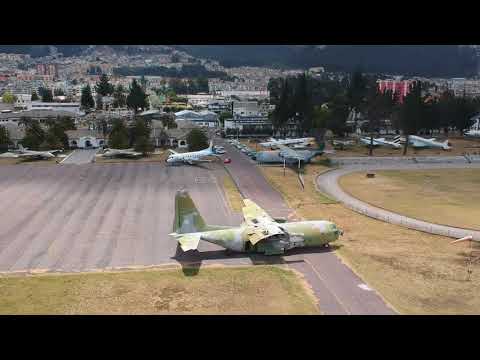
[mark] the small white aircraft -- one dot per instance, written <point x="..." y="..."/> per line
<point x="474" y="130"/>
<point x="472" y="133"/>
<point x="273" y="142"/>
<point x="342" y="144"/>
<point x="420" y="142"/>
<point x="382" y="142"/>
<point x="121" y="153"/>
<point x="24" y="152"/>
<point x="191" y="158"/>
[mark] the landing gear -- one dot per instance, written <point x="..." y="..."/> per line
<point x="326" y="245"/>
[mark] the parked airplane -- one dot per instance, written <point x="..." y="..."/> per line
<point x="342" y="145"/>
<point x="382" y="142"/>
<point x="474" y="129"/>
<point x="288" y="155"/>
<point x="420" y="142"/>
<point x="129" y="153"/>
<point x="258" y="233"/>
<point x="274" y="142"/>
<point x="24" y="152"/>
<point x="191" y="158"/>
<point x="472" y="133"/>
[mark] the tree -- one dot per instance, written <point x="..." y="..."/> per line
<point x="141" y="140"/>
<point x="356" y="93"/>
<point x="86" y="99"/>
<point x="168" y="121"/>
<point x="136" y="99"/>
<point x="197" y="140"/>
<point x="377" y="107"/>
<point x="223" y="116"/>
<point x="155" y="101"/>
<point x="103" y="86"/>
<point x="338" y="112"/>
<point x="5" y="140"/>
<point x="118" y="138"/>
<point x="58" y="92"/>
<point x="464" y="111"/>
<point x="99" y="102"/>
<point x="34" y="96"/>
<point x="283" y="111"/>
<point x="47" y="96"/>
<point x="303" y="105"/>
<point x="9" y="98"/>
<point x="411" y="112"/>
<point x="119" y="98"/>
<point x="143" y="83"/>
<point x="34" y="135"/>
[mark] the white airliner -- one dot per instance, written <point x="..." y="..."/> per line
<point x="24" y="152"/>
<point x="420" y="142"/>
<point x="273" y="142"/>
<point x="191" y="158"/>
<point x="382" y="142"/>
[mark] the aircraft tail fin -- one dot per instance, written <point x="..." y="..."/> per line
<point x="210" y="147"/>
<point x="20" y="146"/>
<point x="187" y="216"/>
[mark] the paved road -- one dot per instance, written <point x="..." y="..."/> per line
<point x="80" y="156"/>
<point x="73" y="218"/>
<point x="338" y="289"/>
<point x="328" y="183"/>
<point x="94" y="216"/>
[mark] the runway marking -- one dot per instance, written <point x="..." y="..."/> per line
<point x="365" y="287"/>
<point x="328" y="288"/>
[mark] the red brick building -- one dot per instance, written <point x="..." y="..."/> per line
<point x="399" y="87"/>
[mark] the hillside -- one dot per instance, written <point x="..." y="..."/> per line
<point x="426" y="60"/>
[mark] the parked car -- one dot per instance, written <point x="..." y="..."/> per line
<point x="227" y="161"/>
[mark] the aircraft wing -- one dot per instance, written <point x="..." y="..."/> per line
<point x="194" y="161"/>
<point x="260" y="224"/>
<point x="287" y="152"/>
<point x="254" y="214"/>
<point x="31" y="155"/>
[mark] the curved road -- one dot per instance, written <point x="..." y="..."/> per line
<point x="328" y="183"/>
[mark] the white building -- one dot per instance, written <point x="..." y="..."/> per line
<point x="23" y="102"/>
<point x="85" y="139"/>
<point x="203" y="118"/>
<point x="249" y="108"/>
<point x="74" y="108"/>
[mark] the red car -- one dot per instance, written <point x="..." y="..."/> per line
<point x="227" y="161"/>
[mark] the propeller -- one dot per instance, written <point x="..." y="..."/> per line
<point x="466" y="238"/>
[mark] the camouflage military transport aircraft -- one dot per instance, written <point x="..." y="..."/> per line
<point x="258" y="233"/>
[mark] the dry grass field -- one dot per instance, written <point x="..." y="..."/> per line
<point x="235" y="200"/>
<point x="449" y="197"/>
<point x="241" y="290"/>
<point x="417" y="273"/>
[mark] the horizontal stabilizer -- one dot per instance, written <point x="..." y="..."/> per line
<point x="187" y="241"/>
